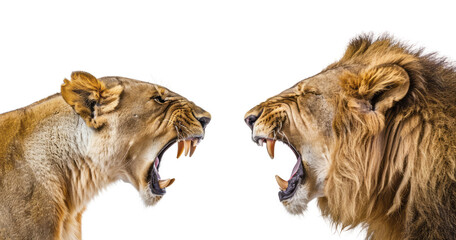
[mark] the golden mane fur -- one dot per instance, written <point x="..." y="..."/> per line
<point x="393" y="167"/>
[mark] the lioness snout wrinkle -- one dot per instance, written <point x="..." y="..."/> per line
<point x="58" y="153"/>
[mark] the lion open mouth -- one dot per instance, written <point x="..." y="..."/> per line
<point x="287" y="188"/>
<point x="157" y="185"/>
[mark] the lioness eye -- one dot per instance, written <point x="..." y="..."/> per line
<point x="158" y="99"/>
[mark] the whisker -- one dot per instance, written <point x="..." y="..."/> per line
<point x="177" y="131"/>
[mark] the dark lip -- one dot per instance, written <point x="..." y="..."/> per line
<point x="296" y="179"/>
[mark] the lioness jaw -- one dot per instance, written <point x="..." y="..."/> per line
<point x="73" y="144"/>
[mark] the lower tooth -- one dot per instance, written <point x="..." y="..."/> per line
<point x="165" y="183"/>
<point x="260" y="142"/>
<point x="283" y="185"/>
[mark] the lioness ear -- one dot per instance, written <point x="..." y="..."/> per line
<point x="90" y="98"/>
<point x="376" y="89"/>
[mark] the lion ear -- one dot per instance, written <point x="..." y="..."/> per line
<point x="90" y="98"/>
<point x="376" y="89"/>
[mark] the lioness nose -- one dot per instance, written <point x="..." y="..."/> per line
<point x="250" y="120"/>
<point x="202" y="116"/>
<point x="204" y="121"/>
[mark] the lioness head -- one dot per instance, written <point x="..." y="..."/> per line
<point x="132" y="124"/>
<point x="326" y="118"/>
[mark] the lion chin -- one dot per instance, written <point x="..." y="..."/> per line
<point x="297" y="205"/>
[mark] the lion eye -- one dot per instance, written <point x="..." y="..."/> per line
<point x="158" y="99"/>
<point x="312" y="92"/>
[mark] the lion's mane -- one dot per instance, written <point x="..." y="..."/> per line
<point x="394" y="173"/>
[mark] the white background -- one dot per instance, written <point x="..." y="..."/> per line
<point x="226" y="57"/>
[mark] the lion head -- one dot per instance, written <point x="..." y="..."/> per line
<point x="374" y="138"/>
<point x="132" y="124"/>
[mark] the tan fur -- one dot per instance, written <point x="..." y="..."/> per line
<point x="58" y="153"/>
<point x="387" y="115"/>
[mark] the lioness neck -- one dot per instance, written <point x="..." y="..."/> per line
<point x="59" y="147"/>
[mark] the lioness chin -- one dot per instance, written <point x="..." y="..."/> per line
<point x="375" y="140"/>
<point x="58" y="153"/>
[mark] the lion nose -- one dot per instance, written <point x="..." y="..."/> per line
<point x="204" y="121"/>
<point x="250" y="120"/>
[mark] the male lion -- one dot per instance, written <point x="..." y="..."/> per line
<point x="58" y="153"/>
<point x="375" y="139"/>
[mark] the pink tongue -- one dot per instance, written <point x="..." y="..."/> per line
<point x="156" y="162"/>
<point x="295" y="168"/>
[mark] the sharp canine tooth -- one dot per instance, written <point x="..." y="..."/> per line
<point x="180" y="148"/>
<point x="193" y="148"/>
<point x="187" y="146"/>
<point x="195" y="142"/>
<point x="165" y="183"/>
<point x="270" y="146"/>
<point x="283" y="185"/>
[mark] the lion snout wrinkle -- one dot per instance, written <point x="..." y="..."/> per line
<point x="270" y="123"/>
<point x="266" y="120"/>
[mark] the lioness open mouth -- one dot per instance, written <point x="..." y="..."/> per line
<point x="287" y="188"/>
<point x="157" y="185"/>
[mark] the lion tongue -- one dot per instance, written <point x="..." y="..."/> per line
<point x="297" y="178"/>
<point x="295" y="168"/>
<point x="283" y="185"/>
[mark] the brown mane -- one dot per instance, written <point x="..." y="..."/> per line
<point x="393" y="172"/>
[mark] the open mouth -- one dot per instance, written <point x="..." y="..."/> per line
<point x="287" y="188"/>
<point x="157" y="185"/>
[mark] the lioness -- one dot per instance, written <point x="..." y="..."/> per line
<point x="58" y="153"/>
<point x="374" y="135"/>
